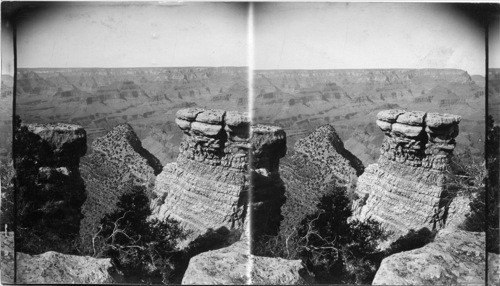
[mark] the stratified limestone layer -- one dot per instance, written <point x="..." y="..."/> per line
<point x="405" y="189"/>
<point x="455" y="257"/>
<point x="207" y="187"/>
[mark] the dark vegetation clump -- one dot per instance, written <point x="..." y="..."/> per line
<point x="145" y="250"/>
<point x="333" y="248"/>
<point x="48" y="209"/>
<point x="142" y="250"/>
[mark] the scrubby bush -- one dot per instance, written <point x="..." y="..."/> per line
<point x="333" y="248"/>
<point x="143" y="250"/>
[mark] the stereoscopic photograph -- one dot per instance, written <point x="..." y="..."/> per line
<point x="250" y="143"/>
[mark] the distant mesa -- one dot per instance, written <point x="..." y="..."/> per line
<point x="406" y="189"/>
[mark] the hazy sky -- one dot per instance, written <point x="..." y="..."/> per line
<point x="365" y="35"/>
<point x="101" y="35"/>
<point x="494" y="44"/>
<point x="287" y="36"/>
<point x="7" y="49"/>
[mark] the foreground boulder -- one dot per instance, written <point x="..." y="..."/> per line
<point x="53" y="267"/>
<point x="208" y="185"/>
<point x="406" y="189"/>
<point x="234" y="265"/>
<point x="455" y="257"/>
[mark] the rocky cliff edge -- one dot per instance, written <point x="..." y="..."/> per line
<point x="406" y="189"/>
<point x="208" y="185"/>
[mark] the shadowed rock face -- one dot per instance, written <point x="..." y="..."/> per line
<point x="51" y="191"/>
<point x="405" y="189"/>
<point x="455" y="257"/>
<point x="208" y="185"/>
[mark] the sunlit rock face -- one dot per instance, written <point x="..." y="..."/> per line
<point x="406" y="189"/>
<point x="234" y="265"/>
<point x="117" y="164"/>
<point x="318" y="165"/>
<point x="455" y="257"/>
<point x="208" y="185"/>
<point x="57" y="268"/>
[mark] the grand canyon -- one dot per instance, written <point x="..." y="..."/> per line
<point x="373" y="166"/>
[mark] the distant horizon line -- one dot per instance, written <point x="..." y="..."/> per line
<point x="262" y="69"/>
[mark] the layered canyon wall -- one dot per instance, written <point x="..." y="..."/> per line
<point x="407" y="189"/>
<point x="208" y="185"/>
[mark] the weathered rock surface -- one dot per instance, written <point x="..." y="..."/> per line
<point x="319" y="164"/>
<point x="53" y="267"/>
<point x="235" y="265"/>
<point x="117" y="164"/>
<point x="455" y="257"/>
<point x="406" y="189"/>
<point x="208" y="185"/>
<point x="7" y="254"/>
<point x="65" y="141"/>
<point x="51" y="191"/>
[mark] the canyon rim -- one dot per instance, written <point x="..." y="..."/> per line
<point x="249" y="143"/>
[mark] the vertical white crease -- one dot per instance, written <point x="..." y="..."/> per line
<point x="250" y="62"/>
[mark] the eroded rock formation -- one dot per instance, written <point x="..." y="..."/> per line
<point x="234" y="265"/>
<point x="455" y="257"/>
<point x="406" y="189"/>
<point x="208" y="185"/>
<point x="50" y="188"/>
<point x="317" y="166"/>
<point x="117" y="164"/>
